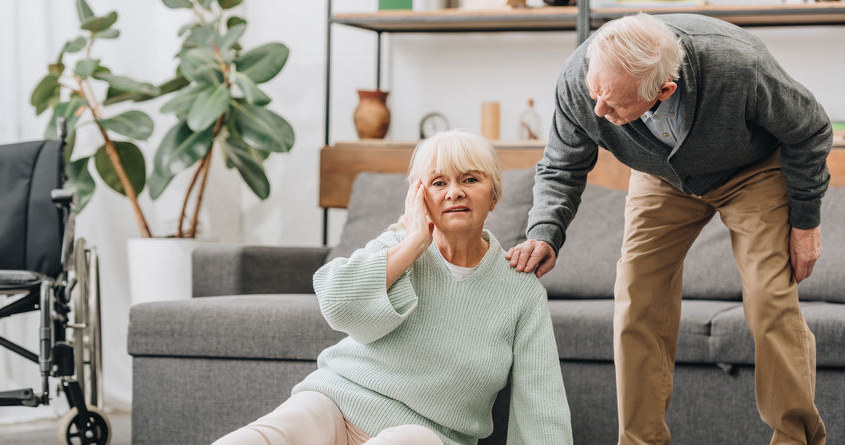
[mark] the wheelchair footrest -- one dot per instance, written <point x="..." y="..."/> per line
<point x="19" y="397"/>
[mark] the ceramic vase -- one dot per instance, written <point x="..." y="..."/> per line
<point x="372" y="117"/>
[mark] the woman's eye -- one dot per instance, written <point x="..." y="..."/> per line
<point x="471" y="179"/>
<point x="438" y="183"/>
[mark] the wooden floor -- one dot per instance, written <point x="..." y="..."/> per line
<point x="45" y="432"/>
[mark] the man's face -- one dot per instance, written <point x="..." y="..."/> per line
<point x="615" y="93"/>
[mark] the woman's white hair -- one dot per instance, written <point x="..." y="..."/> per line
<point x="643" y="47"/>
<point x="454" y="152"/>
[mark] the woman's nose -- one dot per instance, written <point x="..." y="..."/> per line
<point x="455" y="191"/>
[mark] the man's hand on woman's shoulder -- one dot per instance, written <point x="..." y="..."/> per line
<point x="532" y="255"/>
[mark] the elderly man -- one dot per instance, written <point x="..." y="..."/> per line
<point x="709" y="122"/>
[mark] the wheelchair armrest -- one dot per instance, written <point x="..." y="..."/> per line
<point x="238" y="269"/>
<point x="62" y="197"/>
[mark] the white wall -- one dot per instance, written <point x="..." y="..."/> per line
<point x="449" y="73"/>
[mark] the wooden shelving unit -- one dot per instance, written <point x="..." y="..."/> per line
<point x="565" y="18"/>
<point x="561" y="18"/>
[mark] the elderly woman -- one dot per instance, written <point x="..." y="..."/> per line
<point x="437" y="322"/>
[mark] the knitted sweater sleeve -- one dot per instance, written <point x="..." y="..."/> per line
<point x="539" y="411"/>
<point x="788" y="110"/>
<point x="353" y="296"/>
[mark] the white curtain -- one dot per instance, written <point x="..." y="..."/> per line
<point x="31" y="34"/>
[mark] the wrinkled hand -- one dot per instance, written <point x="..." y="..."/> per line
<point x="532" y="255"/>
<point x="805" y="247"/>
<point x="417" y="223"/>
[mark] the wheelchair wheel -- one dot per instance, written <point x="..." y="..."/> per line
<point x="97" y="429"/>
<point x="87" y="336"/>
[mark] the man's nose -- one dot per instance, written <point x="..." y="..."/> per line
<point x="601" y="109"/>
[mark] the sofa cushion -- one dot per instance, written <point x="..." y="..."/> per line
<point x="288" y="326"/>
<point x="586" y="265"/>
<point x="584" y="328"/>
<point x="732" y="342"/>
<point x="378" y="199"/>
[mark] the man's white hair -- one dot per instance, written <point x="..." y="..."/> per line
<point x="641" y="46"/>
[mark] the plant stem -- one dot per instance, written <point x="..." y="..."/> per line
<point x="192" y="232"/>
<point x="111" y="151"/>
<point x="179" y="233"/>
<point x="203" y="168"/>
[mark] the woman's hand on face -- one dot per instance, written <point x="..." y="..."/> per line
<point x="418" y="225"/>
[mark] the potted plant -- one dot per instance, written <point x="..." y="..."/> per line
<point x="214" y="95"/>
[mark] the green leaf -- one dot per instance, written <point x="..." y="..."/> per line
<point x="205" y="4"/>
<point x="263" y="63"/>
<point x="107" y="34"/>
<point x="97" y="24"/>
<point x="83" y="11"/>
<point x="181" y="103"/>
<point x="234" y="21"/>
<point x="79" y="180"/>
<point x="180" y="149"/>
<point x="244" y="158"/>
<point x="176" y="83"/>
<point x="86" y="67"/>
<point x="200" y="65"/>
<point x="201" y="37"/>
<point x="228" y="4"/>
<point x="114" y="95"/>
<point x="208" y="106"/>
<point x="262" y="128"/>
<point x="252" y="93"/>
<point x="126" y="84"/>
<point x="70" y="143"/>
<point x="56" y="69"/>
<point x="185" y="28"/>
<point x="176" y="4"/>
<point x="44" y="93"/>
<point x="70" y="111"/>
<point x="74" y="45"/>
<point x="134" y="124"/>
<point x="231" y="37"/>
<point x="133" y="163"/>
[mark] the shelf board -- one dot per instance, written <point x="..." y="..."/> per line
<point x="563" y="18"/>
<point x="747" y="15"/>
<point x="558" y="18"/>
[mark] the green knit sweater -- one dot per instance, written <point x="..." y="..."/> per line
<point x="435" y="351"/>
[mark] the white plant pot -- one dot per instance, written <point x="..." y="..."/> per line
<point x="160" y="268"/>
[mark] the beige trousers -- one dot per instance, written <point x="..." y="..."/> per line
<point x="311" y="418"/>
<point x="660" y="225"/>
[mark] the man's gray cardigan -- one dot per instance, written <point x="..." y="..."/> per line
<point x="739" y="106"/>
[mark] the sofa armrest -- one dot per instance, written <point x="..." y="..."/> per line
<point x="237" y="269"/>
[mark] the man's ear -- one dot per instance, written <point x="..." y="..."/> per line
<point x="666" y="90"/>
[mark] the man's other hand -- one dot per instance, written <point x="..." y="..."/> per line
<point x="532" y="255"/>
<point x="805" y="247"/>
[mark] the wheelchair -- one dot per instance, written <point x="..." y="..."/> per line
<point x="43" y="268"/>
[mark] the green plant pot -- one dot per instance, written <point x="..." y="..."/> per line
<point x="395" y="4"/>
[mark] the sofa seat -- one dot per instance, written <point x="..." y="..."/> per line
<point x="266" y="327"/>
<point x="584" y="328"/>
<point x="732" y="342"/>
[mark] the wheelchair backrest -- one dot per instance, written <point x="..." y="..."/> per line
<point x="31" y="226"/>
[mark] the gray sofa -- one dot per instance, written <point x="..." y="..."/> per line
<point x="205" y="366"/>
